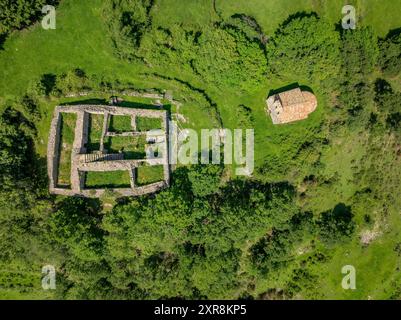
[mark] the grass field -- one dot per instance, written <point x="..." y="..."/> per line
<point x="146" y="124"/>
<point x="109" y="179"/>
<point x="270" y="14"/>
<point x="68" y="121"/>
<point x="120" y="123"/>
<point x="149" y="174"/>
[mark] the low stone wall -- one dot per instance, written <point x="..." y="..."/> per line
<point x="129" y="93"/>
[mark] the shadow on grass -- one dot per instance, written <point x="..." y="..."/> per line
<point x="299" y="15"/>
<point x="290" y="87"/>
<point x="138" y="105"/>
<point x="87" y="101"/>
<point x="3" y="38"/>
<point x="393" y="33"/>
<point x="49" y="82"/>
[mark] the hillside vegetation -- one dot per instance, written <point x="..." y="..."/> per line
<point x="324" y="193"/>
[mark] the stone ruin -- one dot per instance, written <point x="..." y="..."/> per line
<point x="82" y="162"/>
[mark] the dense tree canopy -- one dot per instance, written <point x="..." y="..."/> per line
<point x="305" y="47"/>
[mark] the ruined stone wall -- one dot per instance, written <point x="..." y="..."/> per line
<point x="79" y="165"/>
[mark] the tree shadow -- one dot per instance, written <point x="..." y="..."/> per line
<point x="138" y="105"/>
<point x="3" y="38"/>
<point x="40" y="176"/>
<point x="291" y="86"/>
<point x="49" y="82"/>
<point x="339" y="27"/>
<point x="298" y="15"/>
<point x="343" y="211"/>
<point x="238" y="192"/>
<point x="87" y="101"/>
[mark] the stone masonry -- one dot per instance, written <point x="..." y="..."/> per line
<point x="82" y="162"/>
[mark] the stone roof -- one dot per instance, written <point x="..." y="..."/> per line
<point x="290" y="106"/>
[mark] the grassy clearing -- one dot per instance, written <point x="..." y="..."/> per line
<point x="68" y="121"/>
<point x="149" y="174"/>
<point x="95" y="132"/>
<point x="146" y="124"/>
<point x="132" y="147"/>
<point x="109" y="179"/>
<point x="270" y="14"/>
<point x="120" y="123"/>
<point x="26" y="285"/>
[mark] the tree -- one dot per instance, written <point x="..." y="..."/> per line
<point x="220" y="55"/>
<point x="16" y="162"/>
<point x="225" y="56"/>
<point x="390" y="54"/>
<point x="75" y="226"/>
<point x="304" y="47"/>
<point x="360" y="52"/>
<point x="336" y="225"/>
<point x="359" y="57"/>
<point x="205" y="179"/>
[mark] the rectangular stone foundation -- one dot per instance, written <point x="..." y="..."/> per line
<point x="82" y="162"/>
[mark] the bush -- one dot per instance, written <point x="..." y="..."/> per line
<point x="72" y="82"/>
<point x="336" y="225"/>
<point x="128" y="20"/>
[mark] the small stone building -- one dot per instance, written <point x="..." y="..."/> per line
<point x="290" y="106"/>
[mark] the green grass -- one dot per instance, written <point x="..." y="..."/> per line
<point x="120" y="123"/>
<point x="22" y="285"/>
<point x="95" y="132"/>
<point x="109" y="179"/>
<point x="146" y="124"/>
<point x="68" y="121"/>
<point x="149" y="174"/>
<point x="270" y="14"/>
<point x="132" y="147"/>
